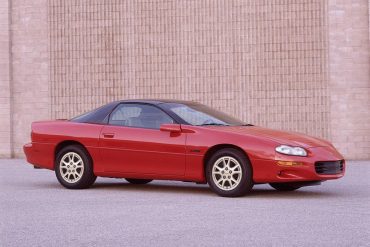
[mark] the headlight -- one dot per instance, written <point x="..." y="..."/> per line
<point x="288" y="150"/>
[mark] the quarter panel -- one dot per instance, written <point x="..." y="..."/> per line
<point x="261" y="153"/>
<point x="47" y="135"/>
<point x="201" y="139"/>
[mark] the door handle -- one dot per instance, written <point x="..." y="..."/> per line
<point x="108" y="135"/>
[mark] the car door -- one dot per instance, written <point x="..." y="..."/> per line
<point x="132" y="142"/>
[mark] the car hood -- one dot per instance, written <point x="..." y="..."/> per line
<point x="282" y="137"/>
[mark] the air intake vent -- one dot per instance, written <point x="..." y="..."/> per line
<point x="329" y="167"/>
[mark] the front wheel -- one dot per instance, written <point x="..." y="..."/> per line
<point x="229" y="173"/>
<point x="73" y="168"/>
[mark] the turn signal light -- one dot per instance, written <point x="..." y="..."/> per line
<point x="289" y="163"/>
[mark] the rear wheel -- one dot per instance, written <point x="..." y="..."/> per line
<point x="138" y="181"/>
<point x="73" y="168"/>
<point x="229" y="173"/>
<point x="284" y="186"/>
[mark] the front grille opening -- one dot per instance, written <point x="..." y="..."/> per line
<point x="329" y="167"/>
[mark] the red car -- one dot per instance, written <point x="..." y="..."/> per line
<point x="142" y="140"/>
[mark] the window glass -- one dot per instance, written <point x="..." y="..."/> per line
<point x="139" y="115"/>
<point x="97" y="116"/>
<point x="195" y="117"/>
<point x="198" y="114"/>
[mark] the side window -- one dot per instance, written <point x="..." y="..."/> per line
<point x="139" y="115"/>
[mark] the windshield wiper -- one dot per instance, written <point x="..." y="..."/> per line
<point x="246" y="125"/>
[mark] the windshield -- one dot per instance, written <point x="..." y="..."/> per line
<point x="201" y="115"/>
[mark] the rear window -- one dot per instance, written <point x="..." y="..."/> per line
<point x="97" y="116"/>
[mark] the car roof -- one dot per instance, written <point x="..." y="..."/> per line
<point x="157" y="101"/>
<point x="99" y="115"/>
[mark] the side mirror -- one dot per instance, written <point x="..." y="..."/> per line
<point x="173" y="128"/>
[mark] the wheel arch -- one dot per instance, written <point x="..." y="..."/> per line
<point x="212" y="150"/>
<point x="67" y="143"/>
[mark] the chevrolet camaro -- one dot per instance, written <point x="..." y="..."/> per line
<point x="142" y="140"/>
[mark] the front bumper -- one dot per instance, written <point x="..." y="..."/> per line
<point x="286" y="168"/>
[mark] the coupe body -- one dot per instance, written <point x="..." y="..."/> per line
<point x="142" y="140"/>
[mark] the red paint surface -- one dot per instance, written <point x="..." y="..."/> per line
<point x="169" y="154"/>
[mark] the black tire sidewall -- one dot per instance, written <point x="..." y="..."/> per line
<point x="246" y="182"/>
<point x="88" y="176"/>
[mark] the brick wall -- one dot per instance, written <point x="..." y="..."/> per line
<point x="5" y="126"/>
<point x="30" y="68"/>
<point x="350" y="77"/>
<point x="265" y="63"/>
<point x="286" y="64"/>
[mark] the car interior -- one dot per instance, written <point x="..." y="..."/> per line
<point x="139" y="116"/>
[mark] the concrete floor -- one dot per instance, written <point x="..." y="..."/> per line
<point x="37" y="211"/>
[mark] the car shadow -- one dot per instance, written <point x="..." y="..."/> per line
<point x="205" y="190"/>
<point x="300" y="193"/>
<point x="155" y="188"/>
<point x="258" y="191"/>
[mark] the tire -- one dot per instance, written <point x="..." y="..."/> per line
<point x="284" y="186"/>
<point x="138" y="181"/>
<point x="233" y="180"/>
<point x="73" y="168"/>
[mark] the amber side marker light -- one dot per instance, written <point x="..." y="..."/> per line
<point x="289" y="163"/>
